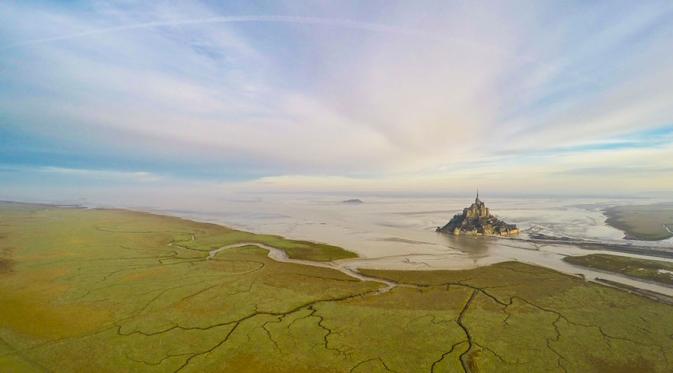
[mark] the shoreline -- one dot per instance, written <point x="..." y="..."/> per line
<point x="353" y="265"/>
<point x="626" y="248"/>
<point x="615" y="217"/>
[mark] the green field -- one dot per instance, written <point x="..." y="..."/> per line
<point x="646" y="269"/>
<point x="642" y="222"/>
<point x="119" y="291"/>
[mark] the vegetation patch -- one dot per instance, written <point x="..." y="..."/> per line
<point x="306" y="250"/>
<point x="112" y="290"/>
<point x="645" y="269"/>
<point x="6" y="265"/>
<point x="523" y="318"/>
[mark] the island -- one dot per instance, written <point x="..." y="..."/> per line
<point x="354" y="201"/>
<point x="477" y="220"/>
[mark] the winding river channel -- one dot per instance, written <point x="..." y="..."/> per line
<point x="399" y="233"/>
<point x="280" y="256"/>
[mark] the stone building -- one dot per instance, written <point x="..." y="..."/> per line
<point x="477" y="210"/>
<point x="477" y="220"/>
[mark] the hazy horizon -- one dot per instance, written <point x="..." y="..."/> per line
<point x="111" y="99"/>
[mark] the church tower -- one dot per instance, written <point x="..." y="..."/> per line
<point x="477" y="220"/>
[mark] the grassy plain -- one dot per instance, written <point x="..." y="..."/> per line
<point x="642" y="222"/>
<point x="646" y="269"/>
<point x="118" y="291"/>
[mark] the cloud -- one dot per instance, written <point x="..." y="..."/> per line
<point x="127" y="176"/>
<point x="330" y="95"/>
<point x="345" y="23"/>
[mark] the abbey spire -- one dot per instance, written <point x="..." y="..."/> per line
<point x="477" y="220"/>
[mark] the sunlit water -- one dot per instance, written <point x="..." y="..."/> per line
<point x="399" y="233"/>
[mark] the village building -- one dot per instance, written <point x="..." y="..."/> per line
<point x="477" y="220"/>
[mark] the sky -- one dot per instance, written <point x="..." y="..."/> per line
<point x="567" y="97"/>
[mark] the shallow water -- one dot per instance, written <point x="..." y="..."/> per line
<point x="399" y="233"/>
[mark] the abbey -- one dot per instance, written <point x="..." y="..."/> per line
<point x="477" y="220"/>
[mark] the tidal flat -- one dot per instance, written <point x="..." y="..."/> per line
<point x="116" y="290"/>
<point x="642" y="222"/>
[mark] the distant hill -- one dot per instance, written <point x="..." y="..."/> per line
<point x="354" y="201"/>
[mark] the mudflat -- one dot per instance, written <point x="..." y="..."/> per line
<point x="642" y="222"/>
<point x="114" y="290"/>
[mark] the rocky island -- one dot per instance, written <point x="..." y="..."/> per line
<point x="477" y="220"/>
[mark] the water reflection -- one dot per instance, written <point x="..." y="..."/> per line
<point x="472" y="246"/>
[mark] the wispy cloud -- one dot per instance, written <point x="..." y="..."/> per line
<point x="335" y="94"/>
<point x="127" y="176"/>
<point x="346" y="23"/>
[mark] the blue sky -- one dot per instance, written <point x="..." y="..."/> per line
<point x="568" y="97"/>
